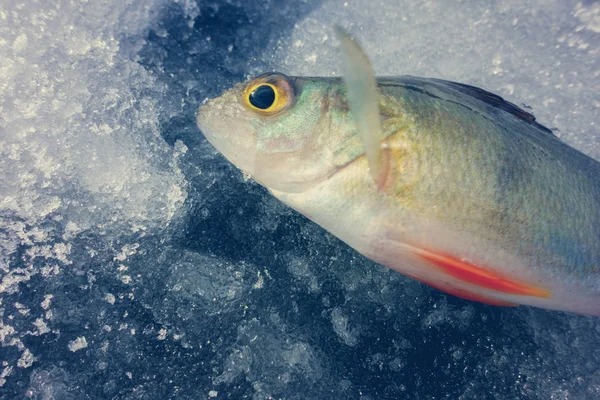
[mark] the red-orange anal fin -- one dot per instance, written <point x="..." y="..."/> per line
<point x="474" y="275"/>
<point x="464" y="294"/>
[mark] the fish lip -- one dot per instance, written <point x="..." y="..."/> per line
<point x="231" y="140"/>
<point x="201" y="121"/>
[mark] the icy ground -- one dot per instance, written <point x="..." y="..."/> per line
<point x="136" y="263"/>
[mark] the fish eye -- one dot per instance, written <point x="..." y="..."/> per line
<point x="262" y="97"/>
<point x="268" y="94"/>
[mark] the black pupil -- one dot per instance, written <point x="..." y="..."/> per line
<point x="262" y="97"/>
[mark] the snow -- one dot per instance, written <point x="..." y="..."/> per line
<point x="78" y="344"/>
<point x="136" y="262"/>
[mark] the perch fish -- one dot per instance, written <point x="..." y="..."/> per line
<point x="441" y="181"/>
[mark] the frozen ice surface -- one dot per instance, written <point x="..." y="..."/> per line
<point x="135" y="262"/>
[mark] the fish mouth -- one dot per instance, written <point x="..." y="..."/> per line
<point x="225" y="136"/>
<point x="261" y="169"/>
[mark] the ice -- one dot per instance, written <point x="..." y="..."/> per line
<point x="542" y="55"/>
<point x="83" y="163"/>
<point x="135" y="262"/>
<point x="78" y="344"/>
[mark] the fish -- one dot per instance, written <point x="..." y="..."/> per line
<point x="444" y="182"/>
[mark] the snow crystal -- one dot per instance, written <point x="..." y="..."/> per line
<point x="109" y="298"/>
<point x="340" y="326"/>
<point x="26" y="359"/>
<point x="78" y="344"/>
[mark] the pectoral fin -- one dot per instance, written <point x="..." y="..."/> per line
<point x="363" y="98"/>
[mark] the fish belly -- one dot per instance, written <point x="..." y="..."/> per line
<point x="444" y="257"/>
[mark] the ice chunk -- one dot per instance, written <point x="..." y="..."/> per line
<point x="340" y="326"/>
<point x="78" y="344"/>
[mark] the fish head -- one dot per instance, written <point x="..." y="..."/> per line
<point x="287" y="133"/>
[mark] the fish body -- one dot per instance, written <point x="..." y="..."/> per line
<point x="478" y="199"/>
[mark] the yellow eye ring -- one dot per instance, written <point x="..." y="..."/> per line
<point x="268" y="94"/>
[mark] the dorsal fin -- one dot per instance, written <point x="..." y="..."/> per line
<point x="495" y="101"/>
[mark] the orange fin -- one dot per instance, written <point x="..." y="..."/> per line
<point x="465" y="294"/>
<point x="469" y="273"/>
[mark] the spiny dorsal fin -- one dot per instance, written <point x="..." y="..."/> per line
<point x="495" y="101"/>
